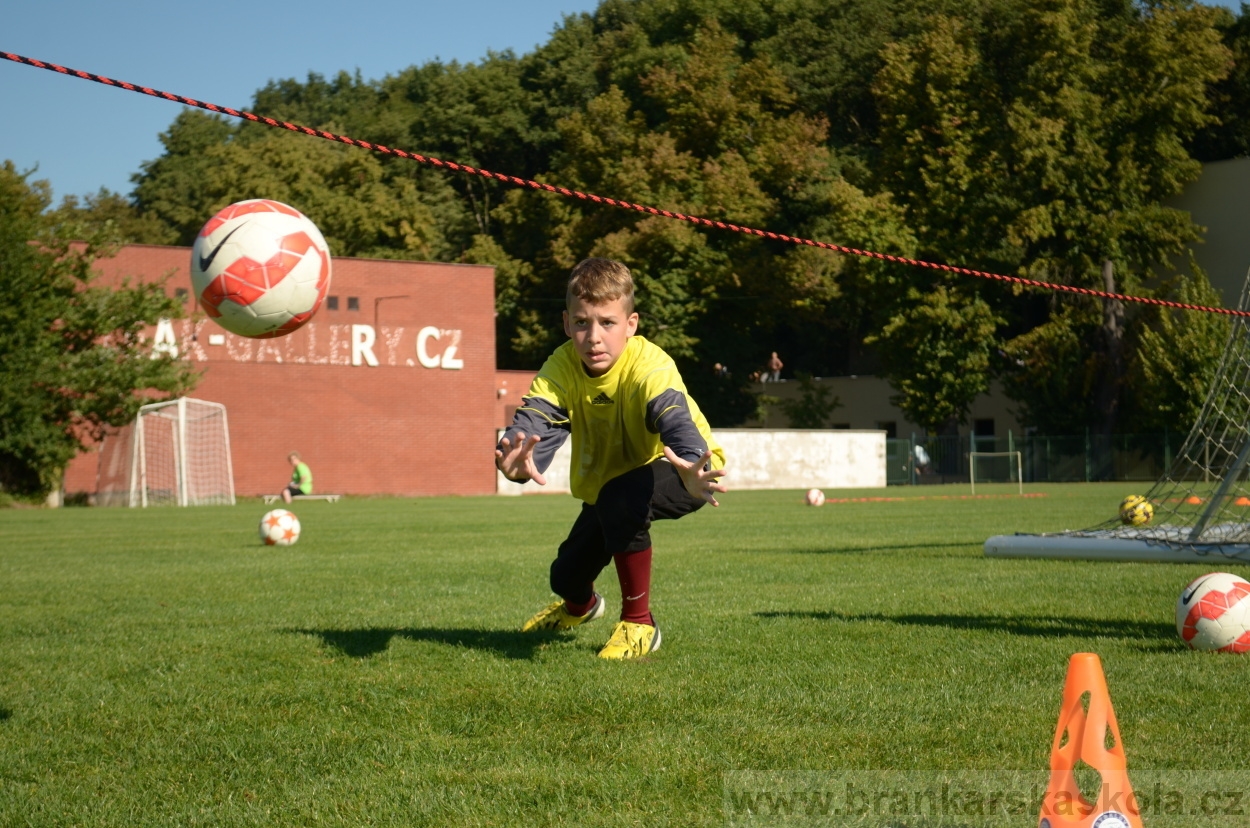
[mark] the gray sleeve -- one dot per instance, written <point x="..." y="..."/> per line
<point x="669" y="416"/>
<point x="542" y="417"/>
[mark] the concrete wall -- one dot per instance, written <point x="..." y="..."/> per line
<point x="1217" y="202"/>
<point x="765" y="459"/>
<point x="801" y="459"/>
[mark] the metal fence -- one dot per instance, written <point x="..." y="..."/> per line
<point x="921" y="459"/>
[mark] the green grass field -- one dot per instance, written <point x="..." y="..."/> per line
<point x="161" y="667"/>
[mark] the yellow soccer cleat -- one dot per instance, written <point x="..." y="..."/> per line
<point x="631" y="640"/>
<point x="556" y="617"/>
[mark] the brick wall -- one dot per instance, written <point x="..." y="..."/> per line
<point x="420" y="422"/>
<point x="510" y="387"/>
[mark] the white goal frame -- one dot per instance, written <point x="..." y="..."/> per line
<point x="972" y="466"/>
<point x="184" y="496"/>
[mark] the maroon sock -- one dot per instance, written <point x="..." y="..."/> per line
<point x="634" y="571"/>
<point x="580" y="609"/>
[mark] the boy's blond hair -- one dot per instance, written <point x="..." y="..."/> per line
<point x="596" y="281"/>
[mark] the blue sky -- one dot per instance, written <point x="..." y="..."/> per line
<point x="84" y="136"/>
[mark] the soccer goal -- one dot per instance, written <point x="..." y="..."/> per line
<point x="1202" y="502"/>
<point x="176" y="453"/>
<point x="996" y="466"/>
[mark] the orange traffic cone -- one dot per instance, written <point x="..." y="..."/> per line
<point x="1088" y="733"/>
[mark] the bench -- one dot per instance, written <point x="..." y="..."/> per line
<point x="329" y="498"/>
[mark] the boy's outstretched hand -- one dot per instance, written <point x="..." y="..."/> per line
<point x="699" y="482"/>
<point x="517" y="461"/>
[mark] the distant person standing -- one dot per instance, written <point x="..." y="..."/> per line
<point x="301" y="478"/>
<point x="774" y="367"/>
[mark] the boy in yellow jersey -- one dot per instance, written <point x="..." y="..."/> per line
<point x="642" y="451"/>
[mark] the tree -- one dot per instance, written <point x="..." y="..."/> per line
<point x="814" y="406"/>
<point x="342" y="189"/>
<point x="709" y="131"/>
<point x="111" y="216"/>
<point x="477" y="114"/>
<point x="709" y="126"/>
<point x="169" y="188"/>
<point x="1046" y="144"/>
<point x="1033" y="138"/>
<point x="72" y="355"/>
<point x="1229" y="135"/>
<point x="1176" y="356"/>
<point x="937" y="352"/>
<point x="1052" y="372"/>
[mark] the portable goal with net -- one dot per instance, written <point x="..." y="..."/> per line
<point x="176" y="453"/>
<point x="1202" y="502"/>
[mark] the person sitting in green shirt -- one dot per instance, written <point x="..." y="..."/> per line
<point x="301" y="478"/>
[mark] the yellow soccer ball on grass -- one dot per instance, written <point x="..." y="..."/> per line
<point x="1135" y="510"/>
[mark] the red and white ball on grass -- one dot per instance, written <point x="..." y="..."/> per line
<point x="1213" y="613"/>
<point x="815" y="497"/>
<point x="260" y="268"/>
<point x="279" y="528"/>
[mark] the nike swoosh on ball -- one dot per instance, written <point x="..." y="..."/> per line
<point x="206" y="263"/>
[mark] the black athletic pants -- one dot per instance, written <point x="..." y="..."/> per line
<point x="619" y="521"/>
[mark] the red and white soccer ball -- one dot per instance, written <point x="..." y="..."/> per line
<point x="1213" y="613"/>
<point x="279" y="528"/>
<point x="260" y="268"/>
<point x="815" y="497"/>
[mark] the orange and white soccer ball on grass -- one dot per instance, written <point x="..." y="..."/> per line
<point x="260" y="268"/>
<point x="279" y="528"/>
<point x="1213" y="613"/>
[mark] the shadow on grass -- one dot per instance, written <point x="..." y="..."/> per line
<point x="887" y="547"/>
<point x="370" y="641"/>
<point x="1043" y="625"/>
<point x="5" y="714"/>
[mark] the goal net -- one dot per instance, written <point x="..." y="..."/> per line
<point x="1202" y="502"/>
<point x="176" y="453"/>
<point x="995" y="467"/>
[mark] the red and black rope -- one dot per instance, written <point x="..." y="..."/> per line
<point x="612" y="202"/>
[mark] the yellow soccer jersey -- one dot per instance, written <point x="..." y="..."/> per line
<point x="619" y="421"/>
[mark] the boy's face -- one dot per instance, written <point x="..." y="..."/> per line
<point x="599" y="332"/>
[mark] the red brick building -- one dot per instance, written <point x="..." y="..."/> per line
<point x="390" y="389"/>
